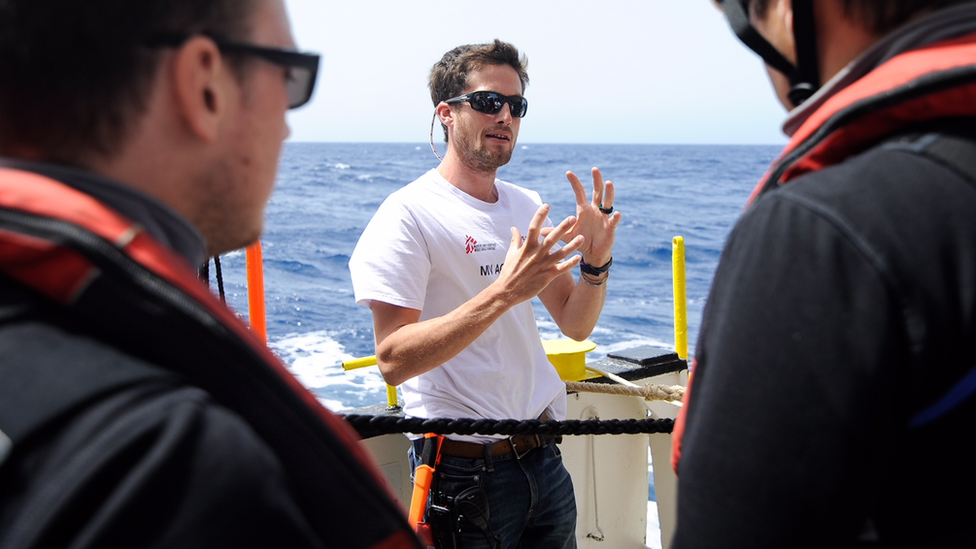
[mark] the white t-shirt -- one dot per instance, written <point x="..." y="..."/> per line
<point x="432" y="247"/>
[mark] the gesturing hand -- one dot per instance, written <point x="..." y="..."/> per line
<point x="596" y="220"/>
<point x="531" y="264"/>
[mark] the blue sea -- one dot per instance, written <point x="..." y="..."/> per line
<point x="327" y="192"/>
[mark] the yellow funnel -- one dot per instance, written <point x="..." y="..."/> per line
<point x="569" y="357"/>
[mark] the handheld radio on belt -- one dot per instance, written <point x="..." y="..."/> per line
<point x="436" y="517"/>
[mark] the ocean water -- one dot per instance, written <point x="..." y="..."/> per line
<point x="327" y="192"/>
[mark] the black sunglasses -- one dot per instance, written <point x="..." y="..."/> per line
<point x="302" y="67"/>
<point x="491" y="102"/>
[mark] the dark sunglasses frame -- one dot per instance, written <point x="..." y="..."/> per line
<point x="490" y="102"/>
<point x="301" y="82"/>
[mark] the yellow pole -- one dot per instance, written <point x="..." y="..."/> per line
<point x="391" y="397"/>
<point x="255" y="291"/>
<point x="680" y="297"/>
<point x="362" y="362"/>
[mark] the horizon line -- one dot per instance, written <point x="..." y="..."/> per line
<point x="427" y="144"/>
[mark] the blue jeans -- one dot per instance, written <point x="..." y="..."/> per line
<point x="530" y="500"/>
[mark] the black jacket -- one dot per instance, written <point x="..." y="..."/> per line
<point x="832" y="399"/>
<point x="142" y="413"/>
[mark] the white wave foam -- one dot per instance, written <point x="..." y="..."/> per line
<point x="314" y="358"/>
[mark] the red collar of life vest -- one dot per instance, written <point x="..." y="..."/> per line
<point x="923" y="85"/>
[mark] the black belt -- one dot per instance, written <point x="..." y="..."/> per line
<point x="520" y="444"/>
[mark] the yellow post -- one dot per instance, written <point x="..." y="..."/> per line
<point x="362" y="362"/>
<point x="391" y="397"/>
<point x="255" y="291"/>
<point x="680" y="297"/>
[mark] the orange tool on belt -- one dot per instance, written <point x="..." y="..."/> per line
<point x="423" y="478"/>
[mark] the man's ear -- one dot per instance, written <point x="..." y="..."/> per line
<point x="445" y="113"/>
<point x="202" y="85"/>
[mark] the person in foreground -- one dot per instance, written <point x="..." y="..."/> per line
<point x="138" y="138"/>
<point x="448" y="265"/>
<point x="832" y="397"/>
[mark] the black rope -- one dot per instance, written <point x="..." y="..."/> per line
<point x="220" y="279"/>
<point x="204" y="274"/>
<point x="369" y="426"/>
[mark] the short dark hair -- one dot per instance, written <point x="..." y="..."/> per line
<point x="449" y="76"/>
<point x="75" y="74"/>
<point x="879" y="16"/>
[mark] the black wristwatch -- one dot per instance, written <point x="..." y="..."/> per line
<point x="595" y="271"/>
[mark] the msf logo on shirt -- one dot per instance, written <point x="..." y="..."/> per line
<point x="471" y="245"/>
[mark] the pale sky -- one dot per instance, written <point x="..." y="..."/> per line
<point x="607" y="71"/>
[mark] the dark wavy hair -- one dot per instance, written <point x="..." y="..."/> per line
<point x="879" y="16"/>
<point x="76" y="74"/>
<point x="449" y="76"/>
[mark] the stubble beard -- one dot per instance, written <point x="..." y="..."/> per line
<point x="481" y="158"/>
<point x="230" y="210"/>
<point x="484" y="160"/>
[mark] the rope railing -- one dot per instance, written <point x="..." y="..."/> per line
<point x="668" y="393"/>
<point x="371" y="425"/>
<point x="374" y="425"/>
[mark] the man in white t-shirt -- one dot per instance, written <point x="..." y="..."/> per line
<point x="448" y="266"/>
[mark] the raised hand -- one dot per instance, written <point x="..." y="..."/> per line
<point x="596" y="219"/>
<point x="532" y="263"/>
